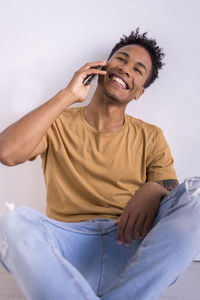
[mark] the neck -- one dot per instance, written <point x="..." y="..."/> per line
<point x="104" y="115"/>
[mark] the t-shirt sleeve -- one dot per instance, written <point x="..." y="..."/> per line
<point x="48" y="136"/>
<point x="45" y="140"/>
<point x="160" y="162"/>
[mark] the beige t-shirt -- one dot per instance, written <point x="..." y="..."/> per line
<point x="90" y="175"/>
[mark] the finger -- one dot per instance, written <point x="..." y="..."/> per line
<point x="121" y="227"/>
<point x="91" y="76"/>
<point x="146" y="226"/>
<point x="129" y="230"/>
<point x="138" y="227"/>
<point x="93" y="64"/>
<point x="94" y="71"/>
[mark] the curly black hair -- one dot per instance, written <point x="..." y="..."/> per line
<point x="156" y="53"/>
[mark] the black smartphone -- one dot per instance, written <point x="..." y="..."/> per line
<point x="89" y="78"/>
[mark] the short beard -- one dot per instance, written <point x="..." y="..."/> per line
<point x="112" y="97"/>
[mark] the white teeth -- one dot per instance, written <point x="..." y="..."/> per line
<point x="117" y="79"/>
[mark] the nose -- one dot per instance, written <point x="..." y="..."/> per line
<point x="125" y="69"/>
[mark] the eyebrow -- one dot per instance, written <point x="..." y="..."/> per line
<point x="138" y="62"/>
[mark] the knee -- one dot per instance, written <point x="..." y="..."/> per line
<point x="192" y="186"/>
<point x="17" y="229"/>
<point x="17" y="222"/>
<point x="186" y="205"/>
<point x="187" y="221"/>
<point x="192" y="194"/>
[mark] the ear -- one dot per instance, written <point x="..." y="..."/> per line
<point x="139" y="93"/>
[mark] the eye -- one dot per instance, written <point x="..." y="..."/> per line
<point x="120" y="58"/>
<point x="137" y="70"/>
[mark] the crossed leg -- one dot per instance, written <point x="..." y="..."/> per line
<point x="32" y="256"/>
<point x="167" y="250"/>
<point x="35" y="257"/>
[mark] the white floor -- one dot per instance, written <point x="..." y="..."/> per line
<point x="186" y="288"/>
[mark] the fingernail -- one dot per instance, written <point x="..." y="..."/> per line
<point x="127" y="244"/>
<point x="119" y="242"/>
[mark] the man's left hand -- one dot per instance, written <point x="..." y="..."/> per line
<point x="139" y="213"/>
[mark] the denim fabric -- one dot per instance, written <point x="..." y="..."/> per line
<point x="53" y="260"/>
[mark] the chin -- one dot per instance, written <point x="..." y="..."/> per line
<point x="114" y="98"/>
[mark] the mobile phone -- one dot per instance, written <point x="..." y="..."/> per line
<point x="89" y="78"/>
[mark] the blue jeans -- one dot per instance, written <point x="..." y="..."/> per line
<point x="53" y="260"/>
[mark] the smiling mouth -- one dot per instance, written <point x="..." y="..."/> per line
<point x="118" y="81"/>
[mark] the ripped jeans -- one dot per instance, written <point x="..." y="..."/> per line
<point x="53" y="260"/>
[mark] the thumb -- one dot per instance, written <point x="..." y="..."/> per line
<point x="117" y="221"/>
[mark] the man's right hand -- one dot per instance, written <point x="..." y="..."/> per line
<point x="76" y="86"/>
<point x="21" y="140"/>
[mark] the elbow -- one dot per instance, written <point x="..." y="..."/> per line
<point x="5" y="160"/>
<point x="7" y="163"/>
<point x="10" y="160"/>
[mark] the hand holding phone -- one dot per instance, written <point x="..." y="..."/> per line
<point x="80" y="83"/>
<point x="92" y="76"/>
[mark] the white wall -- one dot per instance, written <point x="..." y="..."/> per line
<point x="43" y="42"/>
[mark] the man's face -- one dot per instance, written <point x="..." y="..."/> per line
<point x="127" y="71"/>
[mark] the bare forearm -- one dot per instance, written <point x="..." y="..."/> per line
<point x="151" y="190"/>
<point x="19" y="139"/>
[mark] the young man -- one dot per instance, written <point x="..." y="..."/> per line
<point x="118" y="225"/>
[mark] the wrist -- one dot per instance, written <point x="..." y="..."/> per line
<point x="159" y="187"/>
<point x="151" y="190"/>
<point x="69" y="96"/>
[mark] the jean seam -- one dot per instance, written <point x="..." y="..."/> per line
<point x="59" y="259"/>
<point x="103" y="266"/>
<point x="75" y="230"/>
<point x="132" y="260"/>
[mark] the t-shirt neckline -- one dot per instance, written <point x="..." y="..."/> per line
<point x="101" y="133"/>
